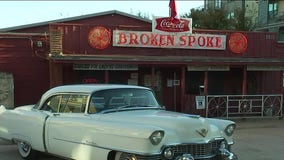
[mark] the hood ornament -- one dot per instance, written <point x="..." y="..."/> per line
<point x="203" y="132"/>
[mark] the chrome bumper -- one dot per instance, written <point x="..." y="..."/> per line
<point x="224" y="154"/>
<point x="227" y="155"/>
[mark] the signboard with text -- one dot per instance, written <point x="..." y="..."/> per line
<point x="122" y="67"/>
<point x="164" y="24"/>
<point x="123" y="38"/>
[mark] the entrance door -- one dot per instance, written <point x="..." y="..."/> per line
<point x="166" y="86"/>
<point x="171" y="88"/>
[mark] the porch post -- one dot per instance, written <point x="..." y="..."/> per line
<point x="282" y="90"/>
<point x="55" y="73"/>
<point x="205" y="92"/>
<point x="106" y="76"/>
<point x="182" y="88"/>
<point x="152" y="77"/>
<point x="205" y="83"/>
<point x="244" y="85"/>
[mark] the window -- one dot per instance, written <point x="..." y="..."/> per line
<point x="73" y="103"/>
<point x="218" y="4"/>
<point x="206" y="4"/>
<point x="216" y="81"/>
<point x="194" y="82"/>
<point x="231" y="15"/>
<point x="66" y="103"/>
<point x="115" y="98"/>
<point x="272" y="9"/>
<point x="52" y="104"/>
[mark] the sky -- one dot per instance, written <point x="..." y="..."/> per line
<point x="16" y="13"/>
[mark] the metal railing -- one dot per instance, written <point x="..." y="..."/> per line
<point x="246" y="106"/>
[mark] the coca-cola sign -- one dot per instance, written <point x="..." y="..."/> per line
<point x="165" y="24"/>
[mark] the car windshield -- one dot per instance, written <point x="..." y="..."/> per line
<point x="121" y="99"/>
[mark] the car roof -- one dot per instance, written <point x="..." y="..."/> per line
<point x="88" y="88"/>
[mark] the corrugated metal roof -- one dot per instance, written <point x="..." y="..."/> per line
<point x="73" y="19"/>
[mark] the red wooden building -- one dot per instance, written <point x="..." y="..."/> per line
<point x="84" y="49"/>
<point x="25" y="74"/>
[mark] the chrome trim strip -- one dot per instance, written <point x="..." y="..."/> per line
<point x="93" y="144"/>
<point x="8" y="141"/>
<point x="231" y="143"/>
<point x="44" y="134"/>
<point x="200" y="142"/>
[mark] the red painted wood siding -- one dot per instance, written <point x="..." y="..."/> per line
<point x="75" y="41"/>
<point x="31" y="73"/>
<point x="260" y="44"/>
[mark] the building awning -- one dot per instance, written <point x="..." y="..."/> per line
<point x="139" y="59"/>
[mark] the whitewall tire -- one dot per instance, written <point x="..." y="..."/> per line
<point x="26" y="151"/>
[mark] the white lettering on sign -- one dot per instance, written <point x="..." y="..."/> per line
<point x="105" y="67"/>
<point x="208" y="68"/>
<point x="165" y="24"/>
<point x="123" y="38"/>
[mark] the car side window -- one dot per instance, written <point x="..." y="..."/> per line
<point x="73" y="103"/>
<point x="52" y="104"/>
<point x="96" y="104"/>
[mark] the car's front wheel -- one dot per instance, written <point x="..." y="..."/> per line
<point x="26" y="151"/>
<point x="124" y="156"/>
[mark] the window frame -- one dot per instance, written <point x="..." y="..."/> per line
<point x="45" y="107"/>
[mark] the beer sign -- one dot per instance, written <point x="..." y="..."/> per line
<point x="164" y="24"/>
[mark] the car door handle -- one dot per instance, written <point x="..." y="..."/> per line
<point x="56" y="114"/>
<point x="92" y="143"/>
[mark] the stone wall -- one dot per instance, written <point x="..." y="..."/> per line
<point x="6" y="90"/>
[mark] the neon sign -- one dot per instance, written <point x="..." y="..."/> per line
<point x="90" y="80"/>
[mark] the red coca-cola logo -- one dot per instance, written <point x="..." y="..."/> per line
<point x="166" y="25"/>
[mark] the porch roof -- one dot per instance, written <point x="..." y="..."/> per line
<point x="140" y="59"/>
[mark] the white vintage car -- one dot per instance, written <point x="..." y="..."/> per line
<point x="113" y="122"/>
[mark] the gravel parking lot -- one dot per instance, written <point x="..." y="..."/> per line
<point x="256" y="139"/>
<point x="259" y="139"/>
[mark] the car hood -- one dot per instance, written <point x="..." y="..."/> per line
<point x="178" y="127"/>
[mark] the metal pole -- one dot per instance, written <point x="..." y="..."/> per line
<point x="175" y="105"/>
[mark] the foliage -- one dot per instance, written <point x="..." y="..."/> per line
<point x="208" y="19"/>
<point x="242" y="22"/>
<point x="218" y="19"/>
<point x="143" y="15"/>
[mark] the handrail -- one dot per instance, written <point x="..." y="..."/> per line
<point x="248" y="106"/>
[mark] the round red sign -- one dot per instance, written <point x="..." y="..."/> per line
<point x="238" y="43"/>
<point x="99" y="37"/>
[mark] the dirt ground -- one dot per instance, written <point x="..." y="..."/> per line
<point x="259" y="139"/>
